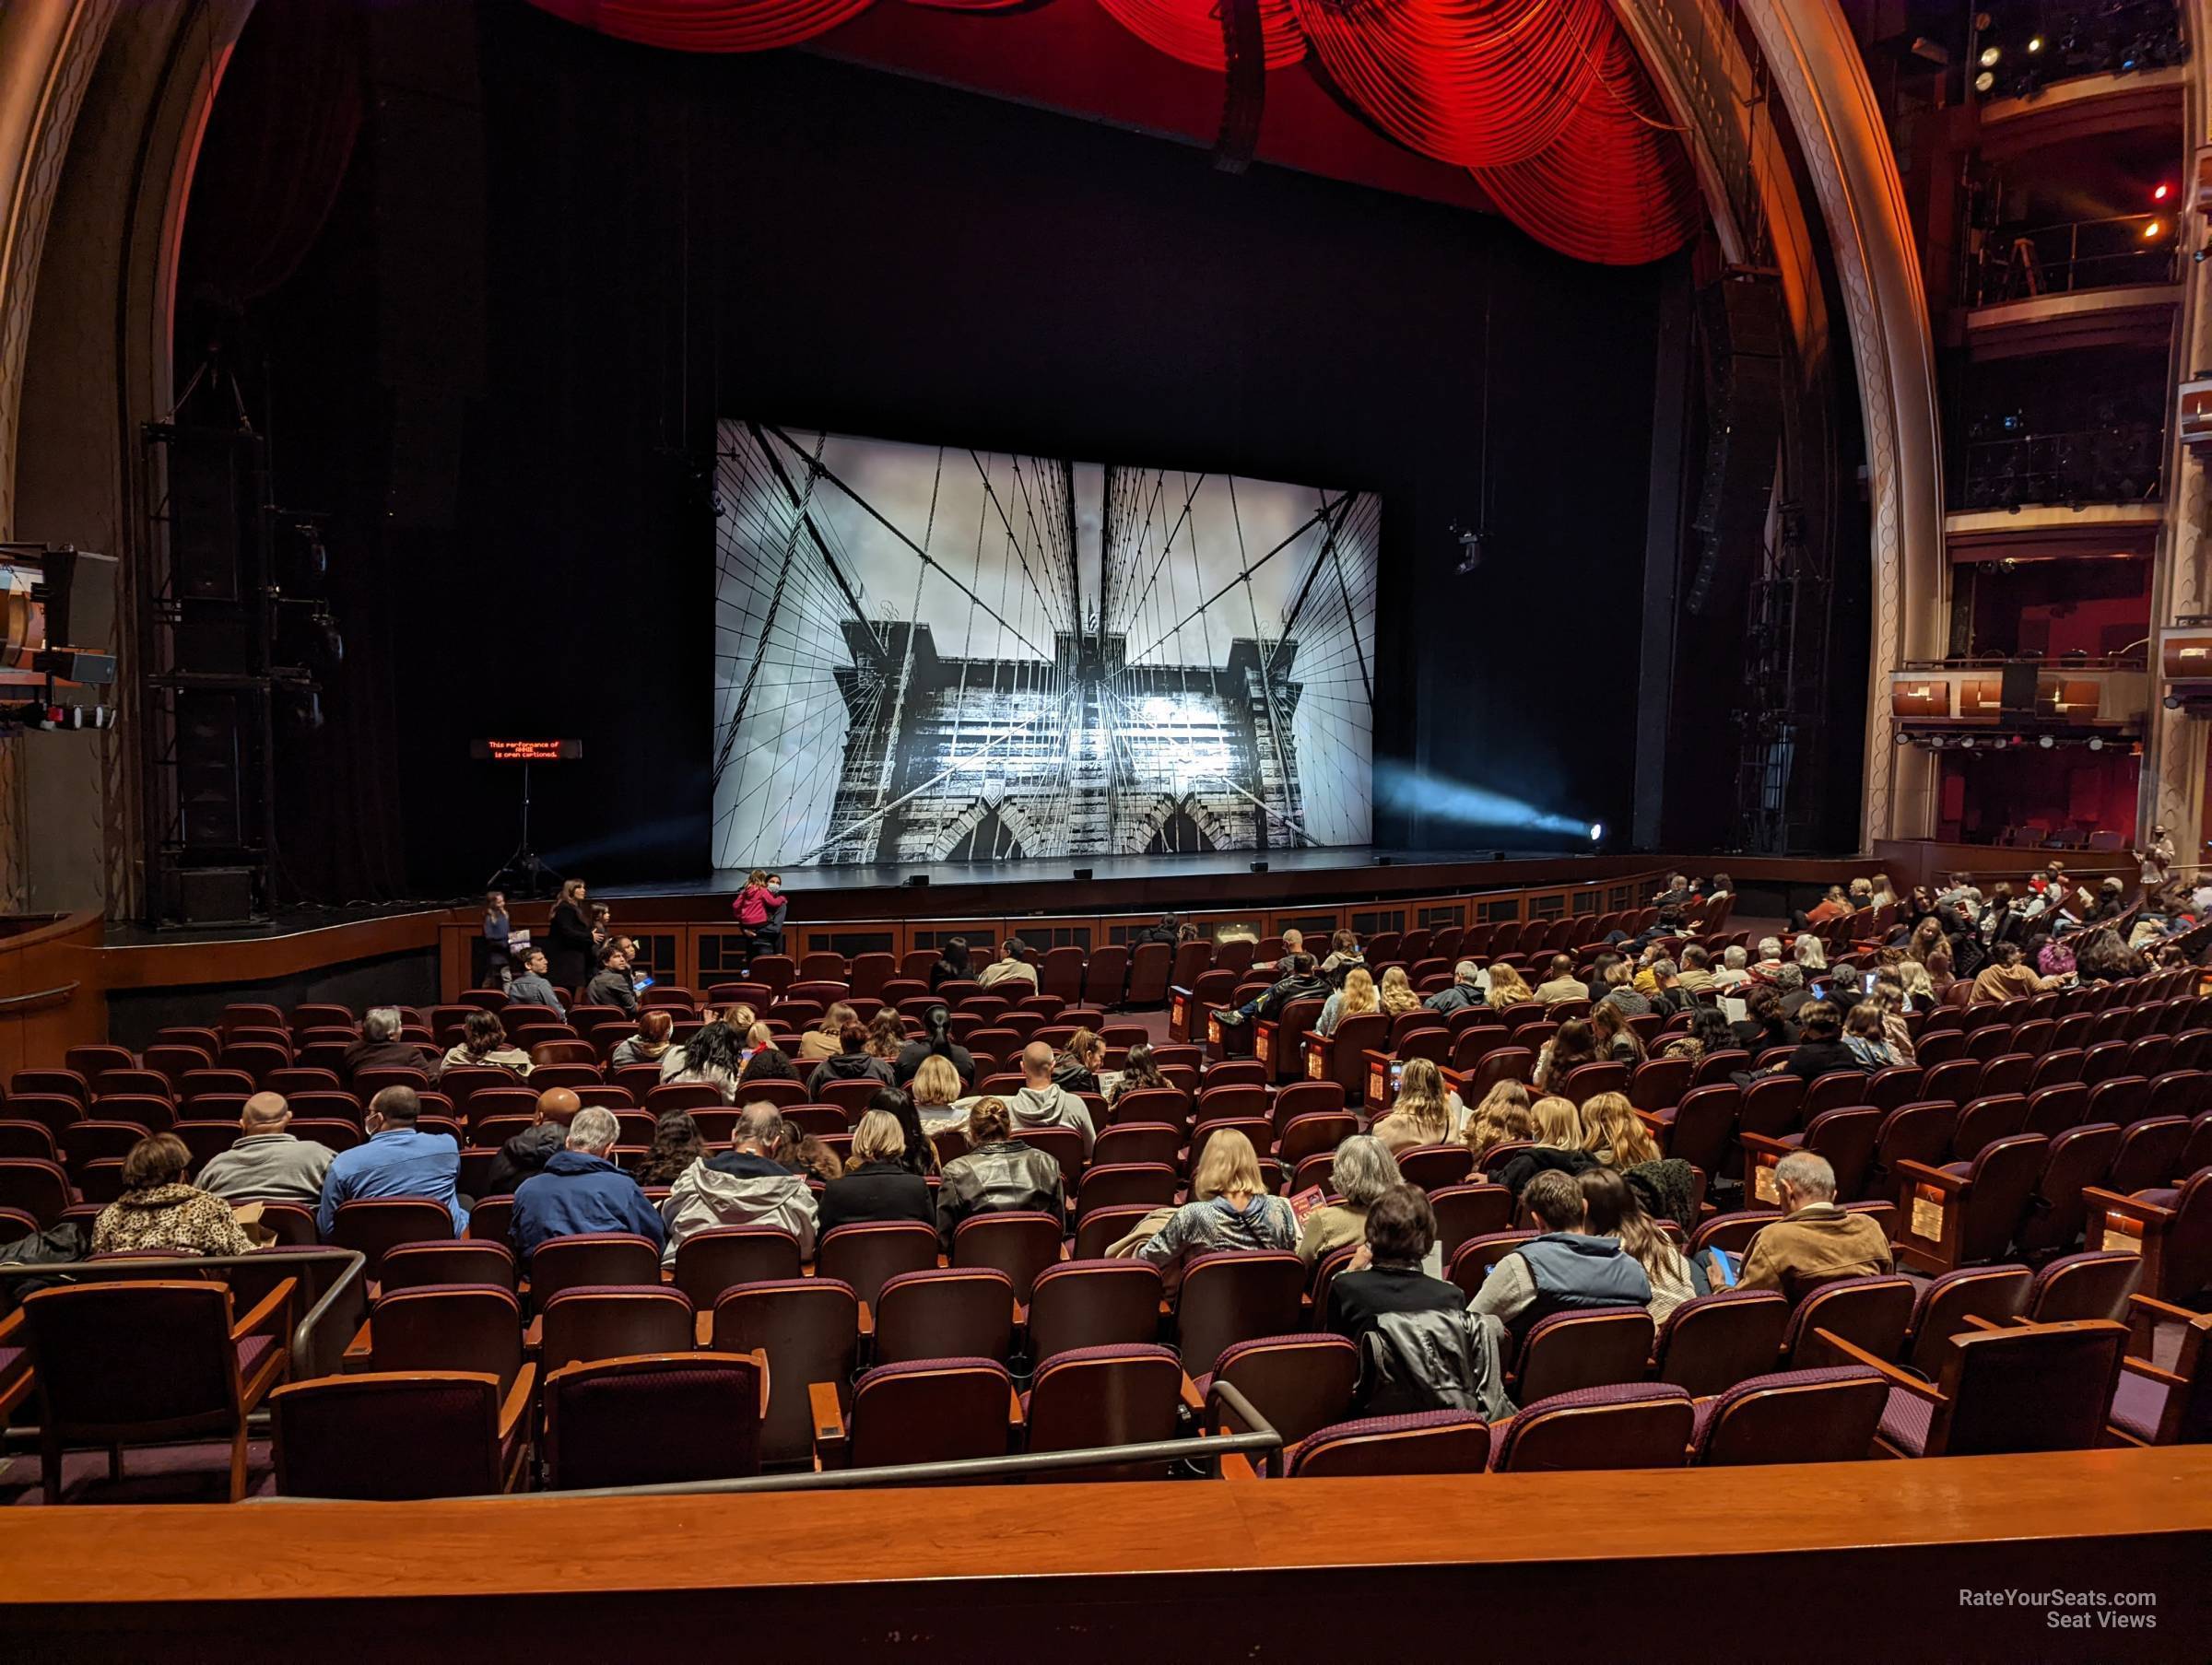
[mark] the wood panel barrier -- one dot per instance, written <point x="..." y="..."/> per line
<point x="1846" y="1561"/>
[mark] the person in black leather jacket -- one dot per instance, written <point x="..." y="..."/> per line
<point x="1299" y="981"/>
<point x="999" y="1173"/>
<point x="1419" y="1347"/>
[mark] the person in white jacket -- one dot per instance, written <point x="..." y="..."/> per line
<point x="744" y="1186"/>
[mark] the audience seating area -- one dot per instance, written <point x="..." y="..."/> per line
<point x="2044" y="1173"/>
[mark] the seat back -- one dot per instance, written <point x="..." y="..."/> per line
<point x="1435" y="1166"/>
<point x="652" y="1419"/>
<point x="810" y="1330"/>
<point x="390" y="1438"/>
<point x="1999" y="1185"/>
<point x="2026" y="1388"/>
<point x="1711" y="1342"/>
<point x="1467" y="1212"/>
<point x="938" y="1410"/>
<point x="1429" y="1442"/>
<point x="2148" y="1153"/>
<point x="1106" y="1396"/>
<point x="2095" y="1285"/>
<point x="1946" y="1303"/>
<point x="130" y="1360"/>
<point x="1128" y="1184"/>
<point x="710" y="1262"/>
<point x="1587" y="1349"/>
<point x="2077" y="1158"/>
<point x="1234" y="1297"/>
<point x="1823" y="1415"/>
<point x="1300" y="1383"/>
<point x="1018" y="1243"/>
<point x="1092" y="1303"/>
<point x="1872" y="1313"/>
<point x="1625" y="1426"/>
<point x="372" y="1225"/>
<point x="614" y="1321"/>
<point x="467" y="1327"/>
<point x="464" y="1260"/>
<point x="864" y="1255"/>
<point x="592" y="1258"/>
<point x="949" y="1311"/>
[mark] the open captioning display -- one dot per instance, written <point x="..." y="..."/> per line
<point x="930" y="653"/>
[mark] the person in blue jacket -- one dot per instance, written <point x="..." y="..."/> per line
<point x="581" y="1189"/>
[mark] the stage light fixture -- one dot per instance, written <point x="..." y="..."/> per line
<point x="1597" y="831"/>
<point x="1967" y="742"/>
<point x="2035" y="44"/>
<point x="2152" y="232"/>
<point x="1984" y="81"/>
<point x="1470" y="553"/>
<point x="1990" y="54"/>
<point x="2046" y="743"/>
<point x="2160" y="193"/>
<point x="2096" y="743"/>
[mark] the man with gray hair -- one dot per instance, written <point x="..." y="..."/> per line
<point x="380" y="1047"/>
<point x="581" y="1189"/>
<point x="1814" y="1240"/>
<point x="743" y="1186"/>
<point x="1469" y="987"/>
<point x="267" y="1164"/>
<point x="1733" y="972"/>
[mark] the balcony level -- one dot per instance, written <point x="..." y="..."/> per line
<point x="2075" y="696"/>
<point x="2054" y="532"/>
<point x="2064" y="319"/>
<point x="2086" y="106"/>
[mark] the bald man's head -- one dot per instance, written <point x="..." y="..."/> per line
<point x="1037" y="1063"/>
<point x="265" y="1113"/>
<point x="557" y="1105"/>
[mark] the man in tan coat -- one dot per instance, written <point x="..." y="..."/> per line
<point x="1814" y="1240"/>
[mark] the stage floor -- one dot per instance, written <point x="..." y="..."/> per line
<point x="889" y="875"/>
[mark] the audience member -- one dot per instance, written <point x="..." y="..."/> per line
<point x="397" y="1160"/>
<point x="1140" y="1071"/>
<point x="1867" y="1037"/>
<point x="527" y="1153"/>
<point x="952" y="965"/>
<point x="1362" y="1170"/>
<point x="1696" y="976"/>
<point x="571" y="946"/>
<point x="266" y="1163"/>
<point x="657" y="1029"/>
<point x="581" y="1189"/>
<point x="1562" y="983"/>
<point x="1422" y="1113"/>
<point x="1612" y="1037"/>
<point x="380" y="1048"/>
<point x="676" y="1144"/>
<point x="854" y="1061"/>
<point x="1567" y="1269"/>
<point x="2007" y="977"/>
<point x="1503" y="1118"/>
<point x="1612" y="1135"/>
<point x="743" y="1186"/>
<point x="1571" y="1046"/>
<point x="1357" y="998"/>
<point x="1420" y="1349"/>
<point x="1814" y="1240"/>
<point x="1507" y="989"/>
<point x="918" y="1154"/>
<point x="826" y="1040"/>
<point x="532" y="988"/>
<point x="887" y="1037"/>
<point x="158" y="1211"/>
<point x="876" y="1184"/>
<point x="1230" y="1207"/>
<point x="1764" y="1023"/>
<point x="1344" y="957"/>
<point x="612" y="984"/>
<point x="713" y="1056"/>
<point x="484" y="1044"/>
<point x="1395" y="993"/>
<point x="1466" y="991"/>
<point x="999" y="1173"/>
<point x="1011" y="967"/>
<point x="1621" y="991"/>
<point x="1558" y="1133"/>
<point x="1299" y="981"/>
<point x="1612" y="1210"/>
<point x="767" y="1065"/>
<point x="935" y="1041"/>
<point x="1595" y="985"/>
<point x="1820" y="1048"/>
<point x="1043" y="1102"/>
<point x="1076" y="1069"/>
<point x="1735" y="970"/>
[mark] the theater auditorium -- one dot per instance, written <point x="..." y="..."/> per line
<point x="1119" y="828"/>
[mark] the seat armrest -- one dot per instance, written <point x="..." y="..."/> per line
<point x="517" y="1402"/>
<point x="1236" y="1466"/>
<point x="1925" y="1175"/>
<point x="1890" y="1372"/>
<point x="2144" y="1367"/>
<point x="759" y="1358"/>
<point x="2149" y="1305"/>
<point x="1192" y="1399"/>
<point x="829" y="1425"/>
<point x="1761" y="1141"/>
<point x="1016" y="1421"/>
<point x="867" y="1320"/>
<point x="2131" y="1208"/>
<point x="274" y="1306"/>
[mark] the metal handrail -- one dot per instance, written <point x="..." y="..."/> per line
<point x="1997" y="264"/>
<point x="1262" y="1438"/>
<point x="301" y="1343"/>
<point x="2047" y="662"/>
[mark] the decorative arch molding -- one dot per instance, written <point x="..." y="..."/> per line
<point x="1208" y="820"/>
<point x="1033" y="839"/>
<point x="102" y="108"/>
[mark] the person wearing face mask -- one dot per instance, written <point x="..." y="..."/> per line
<point x="771" y="928"/>
<point x="396" y="1161"/>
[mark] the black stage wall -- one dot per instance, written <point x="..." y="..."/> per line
<point x="556" y="259"/>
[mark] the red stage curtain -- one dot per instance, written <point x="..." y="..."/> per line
<point x="709" y="25"/>
<point x="1190" y="30"/>
<point x="1542" y="100"/>
<point x="1616" y="186"/>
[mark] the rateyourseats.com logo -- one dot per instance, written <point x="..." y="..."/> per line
<point x="2075" y="1608"/>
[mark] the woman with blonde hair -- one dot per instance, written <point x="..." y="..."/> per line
<point x="1557" y="1125"/>
<point x="1423" y="1113"/>
<point x="1506" y="987"/>
<point x="1501" y="1118"/>
<point x="876" y="1183"/>
<point x="1559" y="1144"/>
<point x="1809" y="953"/>
<point x="1397" y="995"/>
<point x="1230" y="1207"/>
<point x="1356" y="999"/>
<point x="936" y="1085"/>
<point x="1613" y="1134"/>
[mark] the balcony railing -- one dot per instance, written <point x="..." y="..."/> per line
<point x="2013" y="263"/>
<point x="2120" y="462"/>
<point x="2028" y="48"/>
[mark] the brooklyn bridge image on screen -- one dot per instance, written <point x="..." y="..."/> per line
<point x="932" y="654"/>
